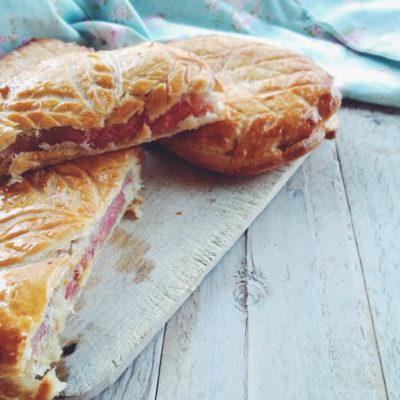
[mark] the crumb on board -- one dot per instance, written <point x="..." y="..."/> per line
<point x="133" y="211"/>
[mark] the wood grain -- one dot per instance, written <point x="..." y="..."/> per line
<point x="287" y="313"/>
<point x="370" y="159"/>
<point x="139" y="381"/>
<point x="310" y="333"/>
<point x="205" y="344"/>
<point x="191" y="217"/>
<point x="296" y="323"/>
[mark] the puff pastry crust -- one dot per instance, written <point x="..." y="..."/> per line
<point x="67" y="106"/>
<point x="52" y="224"/>
<point x="26" y="57"/>
<point x="281" y="105"/>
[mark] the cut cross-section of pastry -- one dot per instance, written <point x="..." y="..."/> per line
<point x="52" y="225"/>
<point x="79" y="102"/>
<point x="281" y="105"/>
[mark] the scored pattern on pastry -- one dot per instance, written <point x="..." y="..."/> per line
<point x="52" y="226"/>
<point x="279" y="105"/>
<point x="82" y="95"/>
<point x="54" y="205"/>
<point x="84" y="102"/>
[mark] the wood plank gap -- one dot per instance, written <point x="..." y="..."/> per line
<point x="246" y="327"/>
<point x="159" y="366"/>
<point x="362" y="270"/>
<point x="161" y="360"/>
<point x="139" y="379"/>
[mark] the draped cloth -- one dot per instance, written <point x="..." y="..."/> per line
<point x="356" y="41"/>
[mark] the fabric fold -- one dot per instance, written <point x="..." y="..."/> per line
<point x="357" y="41"/>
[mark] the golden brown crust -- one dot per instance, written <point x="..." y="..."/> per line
<point x="10" y="391"/>
<point x="45" y="215"/>
<point x="24" y="295"/>
<point x="46" y="389"/>
<point x="56" y="204"/>
<point x="26" y="57"/>
<point x="279" y="104"/>
<point x="94" y="91"/>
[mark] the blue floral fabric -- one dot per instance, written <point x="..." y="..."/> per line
<point x="357" y="41"/>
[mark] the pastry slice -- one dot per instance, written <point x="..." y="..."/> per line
<point x="78" y="102"/>
<point x="52" y="226"/>
<point x="26" y="57"/>
<point x="281" y="105"/>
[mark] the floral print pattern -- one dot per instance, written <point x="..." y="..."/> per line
<point x="344" y="36"/>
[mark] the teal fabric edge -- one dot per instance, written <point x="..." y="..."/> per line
<point x="292" y="24"/>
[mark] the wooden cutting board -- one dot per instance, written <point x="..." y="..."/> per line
<point x="150" y="266"/>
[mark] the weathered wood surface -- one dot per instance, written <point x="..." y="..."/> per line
<point x="370" y="160"/>
<point x="214" y="319"/>
<point x="312" y="334"/>
<point x="149" y="267"/>
<point x="306" y="304"/>
<point x="139" y="381"/>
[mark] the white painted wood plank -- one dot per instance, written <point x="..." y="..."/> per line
<point x="369" y="150"/>
<point x="306" y="324"/>
<point x="150" y="266"/>
<point x="139" y="381"/>
<point x="310" y="330"/>
<point x="333" y="379"/>
<point x="205" y="342"/>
